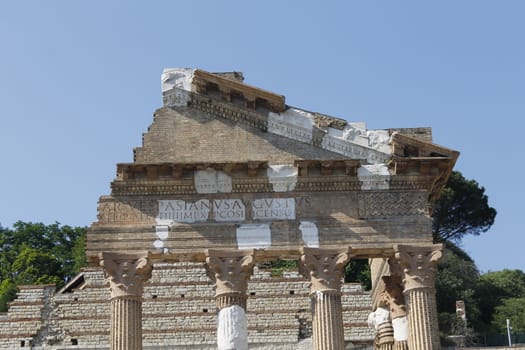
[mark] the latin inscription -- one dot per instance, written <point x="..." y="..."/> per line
<point x="202" y="210"/>
<point x="228" y="210"/>
<point x="274" y="209"/>
<point x="181" y="211"/>
<point x="225" y="210"/>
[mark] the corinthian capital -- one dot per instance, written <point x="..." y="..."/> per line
<point x="126" y="273"/>
<point x="324" y="267"/>
<point x="418" y="264"/>
<point x="230" y="269"/>
<point x="392" y="296"/>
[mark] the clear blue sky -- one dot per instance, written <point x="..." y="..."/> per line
<point x="79" y="81"/>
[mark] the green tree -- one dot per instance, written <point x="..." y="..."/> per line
<point x="79" y="253"/>
<point x="8" y="292"/>
<point x="512" y="309"/>
<point x="493" y="289"/>
<point x="34" y="253"/>
<point x="359" y="271"/>
<point x="59" y="241"/>
<point x="457" y="279"/>
<point x="462" y="209"/>
<point x="33" y="265"/>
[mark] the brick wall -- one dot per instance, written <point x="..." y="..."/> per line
<point x="178" y="312"/>
<point x="187" y="135"/>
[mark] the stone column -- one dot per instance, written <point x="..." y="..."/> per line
<point x="324" y="269"/>
<point x="392" y="297"/>
<point x="126" y="274"/>
<point x="380" y="321"/>
<point x="230" y="270"/>
<point x="419" y="264"/>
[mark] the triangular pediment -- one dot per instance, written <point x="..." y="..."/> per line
<point x="217" y="118"/>
<point x="225" y="164"/>
<point x="214" y="115"/>
<point x="184" y="134"/>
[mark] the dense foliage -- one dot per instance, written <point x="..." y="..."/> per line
<point x="489" y="298"/>
<point x="512" y="309"/>
<point x="462" y="209"/>
<point x="34" y="253"/>
<point x="359" y="271"/>
<point x="458" y="279"/>
<point x="497" y="293"/>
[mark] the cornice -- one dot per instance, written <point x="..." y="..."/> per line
<point x="411" y="154"/>
<point x="229" y="111"/>
<point x="261" y="185"/>
<point x="203" y="81"/>
<point x="276" y="122"/>
<point x="250" y="177"/>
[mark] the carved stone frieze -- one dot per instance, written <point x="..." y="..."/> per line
<point x="414" y="183"/>
<point x="152" y="189"/>
<point x="330" y="180"/>
<point x="353" y="150"/>
<point x="327" y="183"/>
<point x="280" y="126"/>
<point x="230" y="270"/>
<point x="324" y="267"/>
<point x="126" y="273"/>
<point x="419" y="264"/>
<point x="251" y="185"/>
<point x="382" y="204"/>
<point x="230" y="112"/>
<point x="257" y="185"/>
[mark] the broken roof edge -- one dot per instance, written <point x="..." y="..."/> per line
<point x="339" y="135"/>
<point x="225" y="83"/>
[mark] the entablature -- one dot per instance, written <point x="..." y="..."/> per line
<point x="359" y="251"/>
<point x="404" y="174"/>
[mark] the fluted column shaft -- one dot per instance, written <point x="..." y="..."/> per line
<point x="230" y="270"/>
<point x="385" y="337"/>
<point x="125" y="323"/>
<point x="324" y="268"/>
<point x="380" y="321"/>
<point x="392" y="298"/>
<point x="327" y="320"/>
<point x="126" y="274"/>
<point x="420" y="320"/>
<point x="418" y="265"/>
<point x="402" y="345"/>
<point x="400" y="325"/>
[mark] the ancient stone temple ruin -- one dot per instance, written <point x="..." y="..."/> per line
<point x="228" y="179"/>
